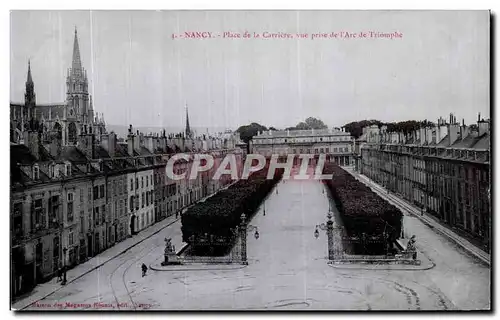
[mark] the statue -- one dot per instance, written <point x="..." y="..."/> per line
<point x="169" y="248"/>
<point x="169" y="253"/>
<point x="410" y="248"/>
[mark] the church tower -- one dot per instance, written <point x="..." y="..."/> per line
<point x="79" y="113"/>
<point x="29" y="97"/>
<point x="189" y="134"/>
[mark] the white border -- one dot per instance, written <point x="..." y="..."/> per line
<point x="152" y="5"/>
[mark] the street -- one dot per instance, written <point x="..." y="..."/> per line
<point x="287" y="270"/>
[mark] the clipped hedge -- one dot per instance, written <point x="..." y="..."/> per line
<point x="212" y="223"/>
<point x="361" y="209"/>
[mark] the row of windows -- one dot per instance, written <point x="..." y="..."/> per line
<point x="311" y="139"/>
<point x="321" y="150"/>
<point x="148" y="179"/>
<point x="146" y="198"/>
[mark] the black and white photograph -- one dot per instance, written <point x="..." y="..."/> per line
<point x="250" y="160"/>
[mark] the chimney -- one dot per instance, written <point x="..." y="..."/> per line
<point x="55" y="146"/>
<point x="464" y="130"/>
<point x="453" y="132"/>
<point x="148" y="143"/>
<point x="288" y="132"/>
<point x="423" y="137"/>
<point x="32" y="141"/>
<point x="108" y="142"/>
<point x="138" y="142"/>
<point x="130" y="142"/>
<point x="483" y="127"/>
<point x="86" y="144"/>
<point x="442" y="131"/>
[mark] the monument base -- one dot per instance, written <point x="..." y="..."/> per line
<point x="171" y="259"/>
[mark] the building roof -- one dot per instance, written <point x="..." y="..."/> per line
<point x="73" y="154"/>
<point x="21" y="154"/>
<point x="301" y="133"/>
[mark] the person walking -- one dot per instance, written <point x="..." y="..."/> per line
<point x="144" y="269"/>
<point x="59" y="274"/>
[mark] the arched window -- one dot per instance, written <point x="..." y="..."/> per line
<point x="57" y="128"/>
<point x="72" y="133"/>
<point x="36" y="172"/>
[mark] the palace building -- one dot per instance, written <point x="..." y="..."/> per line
<point x="337" y="144"/>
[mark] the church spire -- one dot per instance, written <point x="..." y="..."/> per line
<point x="76" y="65"/>
<point x="29" y="80"/>
<point x="29" y="96"/>
<point x="188" y="129"/>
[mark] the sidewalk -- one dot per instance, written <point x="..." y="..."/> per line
<point x="405" y="206"/>
<point x="45" y="289"/>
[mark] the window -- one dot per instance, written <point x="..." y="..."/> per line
<point x="142" y="200"/>
<point x="36" y="172"/>
<point x="70" y="237"/>
<point x="51" y="171"/>
<point x="18" y="219"/>
<point x="131" y="184"/>
<point x="96" y="192"/>
<point x="101" y="190"/>
<point x="82" y="223"/>
<point x="68" y="169"/>
<point x="70" y="207"/>
<point x="103" y="214"/>
<point x="147" y="181"/>
<point x="96" y="216"/>
<point x="137" y="183"/>
<point x="81" y="195"/>
<point x="142" y="182"/>
<point x="131" y="202"/>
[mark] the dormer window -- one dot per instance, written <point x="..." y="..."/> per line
<point x="67" y="168"/>
<point x="52" y="170"/>
<point x="36" y="172"/>
<point x="101" y="166"/>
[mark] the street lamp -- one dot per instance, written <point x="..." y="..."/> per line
<point x="422" y="208"/>
<point x="64" y="267"/>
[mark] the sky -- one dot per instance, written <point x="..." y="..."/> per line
<point x="139" y="74"/>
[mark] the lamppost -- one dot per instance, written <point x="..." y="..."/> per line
<point x="422" y="208"/>
<point x="243" y="236"/>
<point x="328" y="226"/>
<point x="329" y="233"/>
<point x="64" y="281"/>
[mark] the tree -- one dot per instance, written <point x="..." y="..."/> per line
<point x="314" y="123"/>
<point x="248" y="131"/>
<point x="308" y="124"/>
<point x="355" y="128"/>
<point x="273" y="129"/>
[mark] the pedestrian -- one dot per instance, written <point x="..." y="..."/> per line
<point x="144" y="269"/>
<point x="59" y="274"/>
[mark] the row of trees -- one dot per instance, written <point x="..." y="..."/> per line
<point x="367" y="217"/>
<point x="209" y="226"/>
<point x="355" y="128"/>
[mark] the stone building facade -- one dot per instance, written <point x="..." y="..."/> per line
<point x="337" y="144"/>
<point x="443" y="169"/>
